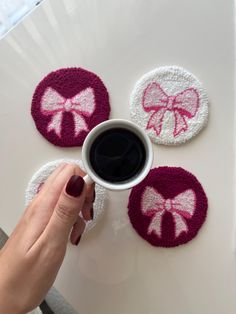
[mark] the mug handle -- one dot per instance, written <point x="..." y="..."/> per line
<point x="88" y="180"/>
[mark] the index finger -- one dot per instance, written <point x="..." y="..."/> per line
<point x="41" y="209"/>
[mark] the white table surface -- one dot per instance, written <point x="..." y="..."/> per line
<point x="113" y="271"/>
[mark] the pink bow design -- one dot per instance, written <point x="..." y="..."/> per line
<point x="181" y="207"/>
<point x="184" y="104"/>
<point x="82" y="104"/>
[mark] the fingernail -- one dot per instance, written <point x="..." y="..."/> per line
<point x="75" y="186"/>
<point x="94" y="195"/>
<point x="91" y="213"/>
<point x="78" y="240"/>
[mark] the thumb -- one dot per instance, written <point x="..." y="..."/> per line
<point x="67" y="209"/>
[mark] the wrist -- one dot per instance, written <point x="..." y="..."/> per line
<point x="9" y="309"/>
<point x="9" y="305"/>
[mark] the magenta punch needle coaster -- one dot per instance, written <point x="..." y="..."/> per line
<point x="67" y="104"/>
<point x="168" y="207"/>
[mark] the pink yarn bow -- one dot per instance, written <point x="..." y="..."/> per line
<point x="181" y="207"/>
<point x="184" y="104"/>
<point x="82" y="104"/>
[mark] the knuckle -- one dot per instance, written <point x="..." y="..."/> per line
<point x="54" y="187"/>
<point x="35" y="207"/>
<point x="81" y="171"/>
<point x="77" y="170"/>
<point x="65" y="212"/>
<point x="31" y="210"/>
<point x="71" y="167"/>
<point x="53" y="253"/>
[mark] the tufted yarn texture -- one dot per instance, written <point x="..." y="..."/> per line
<point x="170" y="104"/>
<point x="67" y="104"/>
<point x="168" y="207"/>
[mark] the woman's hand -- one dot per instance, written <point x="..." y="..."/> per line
<point x="31" y="258"/>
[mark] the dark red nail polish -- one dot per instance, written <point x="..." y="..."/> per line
<point x="94" y="195"/>
<point x="91" y="213"/>
<point x="75" y="186"/>
<point x="78" y="240"/>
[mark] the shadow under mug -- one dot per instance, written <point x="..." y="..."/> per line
<point x="92" y="176"/>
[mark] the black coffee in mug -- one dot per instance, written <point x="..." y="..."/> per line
<point x="117" y="155"/>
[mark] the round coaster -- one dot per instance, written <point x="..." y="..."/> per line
<point x="170" y="104"/>
<point x="168" y="207"/>
<point x="67" y="104"/>
<point x="43" y="173"/>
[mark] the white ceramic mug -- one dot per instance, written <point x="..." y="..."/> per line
<point x="92" y="176"/>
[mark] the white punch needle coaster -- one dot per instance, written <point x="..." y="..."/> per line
<point x="43" y="173"/>
<point x="170" y="104"/>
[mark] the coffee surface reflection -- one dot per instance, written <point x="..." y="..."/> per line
<point x="117" y="155"/>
